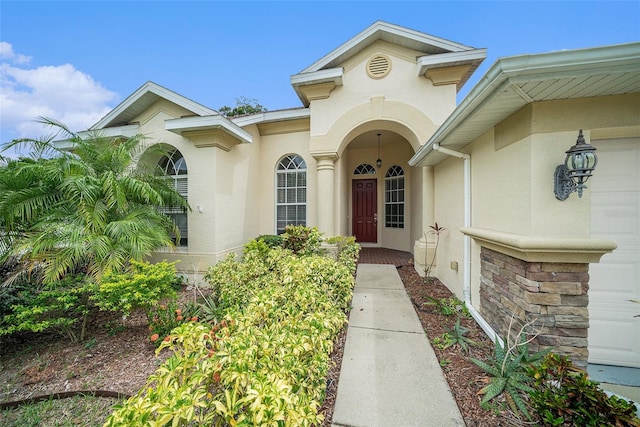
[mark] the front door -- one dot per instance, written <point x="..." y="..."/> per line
<point x="365" y="215"/>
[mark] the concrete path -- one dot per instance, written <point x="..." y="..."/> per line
<point x="390" y="376"/>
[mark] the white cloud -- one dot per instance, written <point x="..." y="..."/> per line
<point x="7" y="53"/>
<point x="60" y="92"/>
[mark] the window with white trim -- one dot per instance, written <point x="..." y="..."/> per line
<point x="291" y="192"/>
<point x="174" y="168"/>
<point x="394" y="197"/>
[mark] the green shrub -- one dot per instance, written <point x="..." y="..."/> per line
<point x="61" y="307"/>
<point x="167" y="316"/>
<point x="449" y="306"/>
<point x="302" y="240"/>
<point x="348" y="251"/>
<point x="143" y="286"/>
<point x="261" y="245"/>
<point x="563" y="395"/>
<point x="266" y="362"/>
<point x="271" y="240"/>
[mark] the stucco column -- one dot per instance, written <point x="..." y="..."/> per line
<point x="326" y="197"/>
<point x="423" y="247"/>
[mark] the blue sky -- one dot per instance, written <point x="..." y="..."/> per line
<point x="74" y="61"/>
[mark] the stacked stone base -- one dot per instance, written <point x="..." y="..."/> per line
<point x="550" y="297"/>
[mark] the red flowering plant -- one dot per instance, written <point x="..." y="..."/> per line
<point x="163" y="318"/>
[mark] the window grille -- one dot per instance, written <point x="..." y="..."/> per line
<point x="174" y="167"/>
<point x="364" y="169"/>
<point x="291" y="192"/>
<point x="394" y="197"/>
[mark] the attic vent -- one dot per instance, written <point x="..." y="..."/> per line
<point x="378" y="66"/>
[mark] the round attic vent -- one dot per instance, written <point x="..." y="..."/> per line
<point x="378" y="66"/>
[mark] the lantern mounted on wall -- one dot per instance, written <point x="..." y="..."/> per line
<point x="571" y="176"/>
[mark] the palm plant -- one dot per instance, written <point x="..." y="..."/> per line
<point x="88" y="207"/>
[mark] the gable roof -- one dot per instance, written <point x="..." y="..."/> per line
<point x="513" y="82"/>
<point x="391" y="33"/>
<point x="144" y="97"/>
<point x="437" y="53"/>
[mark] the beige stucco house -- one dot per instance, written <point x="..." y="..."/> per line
<point x="379" y="150"/>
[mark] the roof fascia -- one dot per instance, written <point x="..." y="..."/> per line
<point x="531" y="68"/>
<point x="428" y="62"/>
<point x="162" y="92"/>
<point x="373" y="32"/>
<point x="220" y="122"/>
<point x="272" y="116"/>
<point x="331" y="75"/>
<point x="127" y="131"/>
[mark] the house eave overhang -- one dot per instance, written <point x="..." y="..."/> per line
<point x="142" y="98"/>
<point x="467" y="62"/>
<point x="209" y="131"/>
<point x="385" y="31"/>
<point x="272" y="117"/>
<point x="316" y="84"/>
<point x="128" y="131"/>
<point x="514" y="82"/>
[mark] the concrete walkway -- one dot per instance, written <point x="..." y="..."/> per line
<point x="390" y="376"/>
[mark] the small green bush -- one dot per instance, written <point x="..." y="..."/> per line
<point x="271" y="240"/>
<point x="143" y="286"/>
<point x="563" y="395"/>
<point x="348" y="251"/>
<point x="167" y="316"/>
<point x="449" y="306"/>
<point x="302" y="240"/>
<point x="261" y="245"/>
<point x="61" y="307"/>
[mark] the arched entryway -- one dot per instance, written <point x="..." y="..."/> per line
<point x="381" y="202"/>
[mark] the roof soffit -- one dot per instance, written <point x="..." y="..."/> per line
<point x="514" y="82"/>
<point x="208" y="126"/>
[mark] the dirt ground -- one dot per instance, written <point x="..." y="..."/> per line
<point x="118" y="357"/>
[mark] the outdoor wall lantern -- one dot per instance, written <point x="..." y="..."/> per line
<point x="571" y="176"/>
<point x="379" y="161"/>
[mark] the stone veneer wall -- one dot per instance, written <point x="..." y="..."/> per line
<point x="552" y="294"/>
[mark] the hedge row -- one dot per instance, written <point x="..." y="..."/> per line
<point x="266" y="362"/>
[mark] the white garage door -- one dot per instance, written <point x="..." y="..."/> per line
<point x="614" y="333"/>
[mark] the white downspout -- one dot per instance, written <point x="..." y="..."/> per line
<point x="466" y="287"/>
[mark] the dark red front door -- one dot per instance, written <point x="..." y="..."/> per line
<point x="365" y="216"/>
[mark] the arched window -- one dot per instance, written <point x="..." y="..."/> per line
<point x="291" y="192"/>
<point x="174" y="167"/>
<point x="364" y="169"/>
<point x="394" y="197"/>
